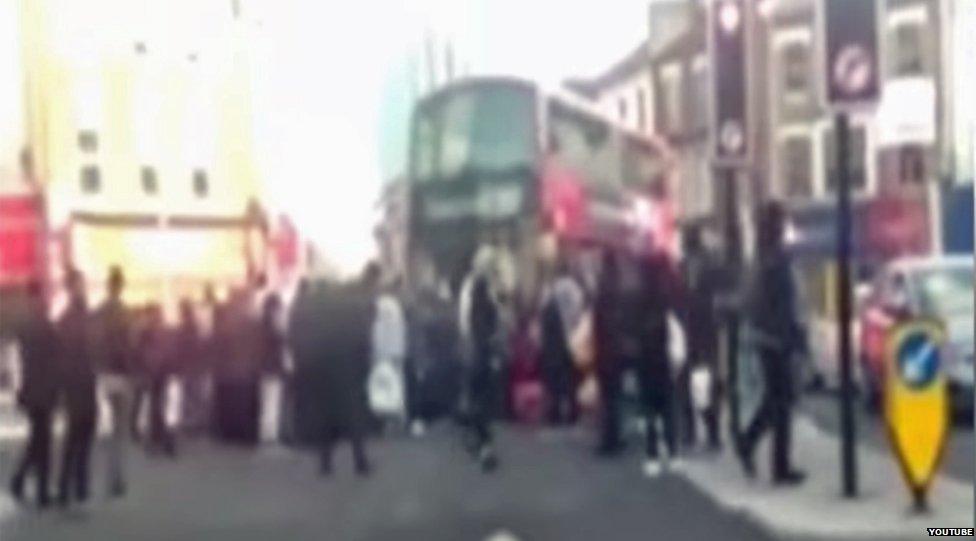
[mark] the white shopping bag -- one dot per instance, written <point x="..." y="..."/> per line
<point x="701" y="388"/>
<point x="385" y="388"/>
<point x="269" y="426"/>
<point x="677" y="346"/>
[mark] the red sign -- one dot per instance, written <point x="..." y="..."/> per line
<point x="21" y="227"/>
<point x="898" y="226"/>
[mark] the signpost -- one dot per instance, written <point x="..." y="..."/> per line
<point x="916" y="402"/>
<point x="852" y="68"/>
<point x="730" y="146"/>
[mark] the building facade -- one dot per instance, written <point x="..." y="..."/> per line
<point x="911" y="155"/>
<point x="140" y="140"/>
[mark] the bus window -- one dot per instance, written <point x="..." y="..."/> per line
<point x="424" y="147"/>
<point x="640" y="165"/>
<point x="584" y="144"/>
<point x="475" y="130"/>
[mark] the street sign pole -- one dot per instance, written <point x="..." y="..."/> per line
<point x="733" y="257"/>
<point x="852" y="81"/>
<point x="848" y="455"/>
<point x="730" y="142"/>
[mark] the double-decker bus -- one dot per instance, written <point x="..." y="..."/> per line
<point x="504" y="163"/>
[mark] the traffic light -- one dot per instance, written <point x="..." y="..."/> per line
<point x="727" y="49"/>
<point x="850" y="31"/>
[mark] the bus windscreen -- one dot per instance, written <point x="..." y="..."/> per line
<point x="478" y="130"/>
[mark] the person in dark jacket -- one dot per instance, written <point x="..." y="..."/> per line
<point x="238" y="403"/>
<point x="778" y="333"/>
<point x="701" y="277"/>
<point x="330" y="336"/>
<point x="274" y="361"/>
<point x="609" y="354"/>
<point x="78" y="384"/>
<point x="660" y="296"/>
<point x="484" y="323"/>
<point x="157" y="348"/>
<point x="191" y="363"/>
<point x="38" y="395"/>
<point x="114" y="359"/>
<point x="436" y="353"/>
<point x="557" y="360"/>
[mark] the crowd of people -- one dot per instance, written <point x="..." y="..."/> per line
<point x="128" y="358"/>
<point x="352" y="357"/>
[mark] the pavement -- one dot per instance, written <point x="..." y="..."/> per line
<point x="817" y="509"/>
<point x="959" y="457"/>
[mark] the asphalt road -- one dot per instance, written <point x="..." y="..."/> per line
<point x="549" y="487"/>
<point x="958" y="461"/>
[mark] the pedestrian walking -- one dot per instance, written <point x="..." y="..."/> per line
<point x="37" y="396"/>
<point x="658" y="301"/>
<point x="388" y="374"/>
<point x="274" y="369"/>
<point x="238" y="372"/>
<point x="557" y="365"/>
<point x="435" y="357"/>
<point x="700" y="274"/>
<point x="607" y="337"/>
<point x="114" y="360"/>
<point x="157" y="347"/>
<point x="561" y="311"/>
<point x="190" y="361"/>
<point x="482" y="323"/>
<point x="771" y="313"/>
<point x="330" y="336"/>
<point x="78" y="387"/>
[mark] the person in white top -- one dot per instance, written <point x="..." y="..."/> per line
<point x="387" y="389"/>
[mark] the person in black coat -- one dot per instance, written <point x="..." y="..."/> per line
<point x="78" y="385"/>
<point x="609" y="355"/>
<point x="237" y="377"/>
<point x="330" y="336"/>
<point x="484" y="321"/>
<point x="660" y="296"/>
<point x="700" y="273"/>
<point x="771" y="311"/>
<point x="157" y="345"/>
<point x="38" y="395"/>
<point x="557" y="361"/>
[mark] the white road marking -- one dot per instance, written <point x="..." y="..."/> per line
<point x="502" y="535"/>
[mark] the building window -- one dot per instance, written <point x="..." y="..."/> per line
<point x="796" y="68"/>
<point x="91" y="179"/>
<point x="88" y="141"/>
<point x="907" y="48"/>
<point x="622" y="108"/>
<point x="700" y="93"/>
<point x="857" y="160"/>
<point x="796" y="167"/>
<point x="150" y="184"/>
<point x="641" y="111"/>
<point x="911" y="165"/>
<point x="671" y="97"/>
<point x="201" y="185"/>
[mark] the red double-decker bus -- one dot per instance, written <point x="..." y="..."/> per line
<point x="502" y="162"/>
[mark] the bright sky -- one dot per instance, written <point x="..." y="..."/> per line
<point x="335" y="87"/>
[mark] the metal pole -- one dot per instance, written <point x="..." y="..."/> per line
<point x="733" y="258"/>
<point x="848" y="456"/>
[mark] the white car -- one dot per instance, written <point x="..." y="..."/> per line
<point x="935" y="287"/>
